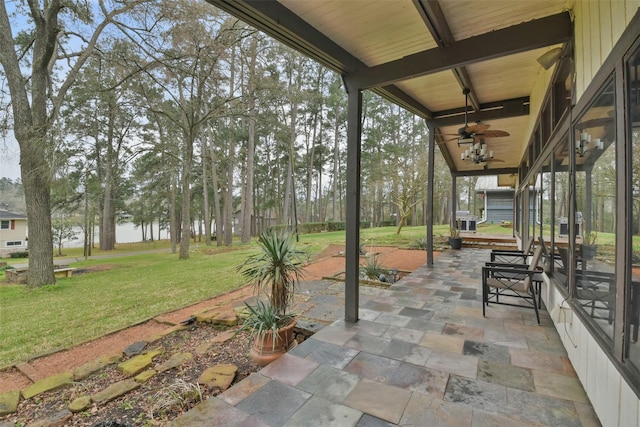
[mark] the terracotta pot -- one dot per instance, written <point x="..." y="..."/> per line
<point x="264" y="351"/>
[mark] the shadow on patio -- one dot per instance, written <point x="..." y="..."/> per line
<point x="422" y="354"/>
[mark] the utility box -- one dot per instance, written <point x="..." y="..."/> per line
<point x="563" y="223"/>
<point x="466" y="222"/>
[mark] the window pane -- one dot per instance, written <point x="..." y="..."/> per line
<point x="544" y="205"/>
<point x="561" y="212"/>
<point x="594" y="286"/>
<point x="633" y="97"/>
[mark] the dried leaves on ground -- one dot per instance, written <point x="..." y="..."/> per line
<point x="157" y="401"/>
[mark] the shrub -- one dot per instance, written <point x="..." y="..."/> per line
<point x="336" y="225"/>
<point x="372" y="269"/>
<point x="312" y="227"/>
<point x="420" y="243"/>
<point x="20" y="254"/>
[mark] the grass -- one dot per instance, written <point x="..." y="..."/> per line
<point x="138" y="287"/>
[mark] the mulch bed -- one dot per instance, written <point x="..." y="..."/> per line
<point x="145" y="406"/>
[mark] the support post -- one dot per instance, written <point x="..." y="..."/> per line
<point x="454" y="199"/>
<point x="352" y="247"/>
<point x="430" y="182"/>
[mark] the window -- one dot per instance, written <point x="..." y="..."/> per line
<point x="632" y="346"/>
<point x="561" y="210"/>
<point x="5" y="224"/>
<point x="594" y="284"/>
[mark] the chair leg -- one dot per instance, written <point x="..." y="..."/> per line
<point x="535" y="306"/>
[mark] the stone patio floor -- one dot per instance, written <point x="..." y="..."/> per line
<point x="421" y="355"/>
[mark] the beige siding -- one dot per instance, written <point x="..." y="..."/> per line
<point x="598" y="26"/>
<point x="19" y="233"/>
<point x="538" y="91"/>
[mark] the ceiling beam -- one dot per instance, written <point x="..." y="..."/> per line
<point x="534" y="34"/>
<point x="434" y="19"/>
<point x="483" y="171"/>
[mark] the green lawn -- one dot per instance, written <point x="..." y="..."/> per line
<point x="138" y="287"/>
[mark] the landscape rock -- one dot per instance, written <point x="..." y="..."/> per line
<point x="135" y="348"/>
<point x="47" y="384"/>
<point x="221" y="338"/>
<point x="57" y="420"/>
<point x="80" y="404"/>
<point x="226" y="318"/>
<point x="174" y="361"/>
<point x="138" y="363"/>
<point x="166" y="332"/>
<point x="115" y="390"/>
<point x="9" y="402"/>
<point x="219" y="376"/>
<point x="89" y="368"/>
<point x="145" y="376"/>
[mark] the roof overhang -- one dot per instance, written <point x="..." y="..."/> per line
<point x="420" y="54"/>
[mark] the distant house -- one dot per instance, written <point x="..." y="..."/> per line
<point x="498" y="200"/>
<point x="13" y="232"/>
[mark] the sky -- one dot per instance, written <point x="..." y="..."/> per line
<point x="9" y="157"/>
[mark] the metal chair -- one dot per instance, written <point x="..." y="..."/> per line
<point x="511" y="281"/>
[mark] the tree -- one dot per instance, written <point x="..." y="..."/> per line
<point x="28" y="57"/>
<point x="62" y="230"/>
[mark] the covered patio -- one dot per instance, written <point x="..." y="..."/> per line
<point x="546" y="96"/>
<point x="421" y="354"/>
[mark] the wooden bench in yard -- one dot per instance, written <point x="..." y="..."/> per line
<point x="63" y="272"/>
<point x="19" y="275"/>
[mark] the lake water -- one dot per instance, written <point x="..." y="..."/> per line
<point x="126" y="232"/>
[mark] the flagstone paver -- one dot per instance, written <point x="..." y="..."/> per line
<point x="368" y="395"/>
<point x="80" y="404"/>
<point x="47" y="384"/>
<point x="219" y="376"/>
<point x="9" y="402"/>
<point x="174" y="361"/>
<point x="274" y="403"/>
<point x="138" y="363"/>
<point x="115" y="390"/>
<point x="89" y="368"/>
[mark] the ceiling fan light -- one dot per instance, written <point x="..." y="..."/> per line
<point x="549" y="58"/>
<point x="468" y="140"/>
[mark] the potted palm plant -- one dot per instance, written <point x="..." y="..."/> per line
<point x="589" y="248"/>
<point x="274" y="272"/>
<point x="454" y="236"/>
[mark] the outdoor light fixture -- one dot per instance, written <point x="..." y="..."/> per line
<point x="466" y="140"/>
<point x="583" y="145"/>
<point x="477" y="154"/>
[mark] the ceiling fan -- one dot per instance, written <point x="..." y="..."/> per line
<point x="468" y="133"/>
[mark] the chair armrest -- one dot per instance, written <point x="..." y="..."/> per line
<point x="509" y="256"/>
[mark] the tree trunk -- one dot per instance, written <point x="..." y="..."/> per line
<point x="186" y="195"/>
<point x="173" y="220"/>
<point x="205" y="193"/>
<point x="37" y="188"/>
<point x="217" y="212"/>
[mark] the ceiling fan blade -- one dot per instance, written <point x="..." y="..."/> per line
<point x="493" y="133"/>
<point x="496" y="160"/>
<point x="478" y="128"/>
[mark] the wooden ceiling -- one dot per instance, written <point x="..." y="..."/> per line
<point x="420" y="54"/>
